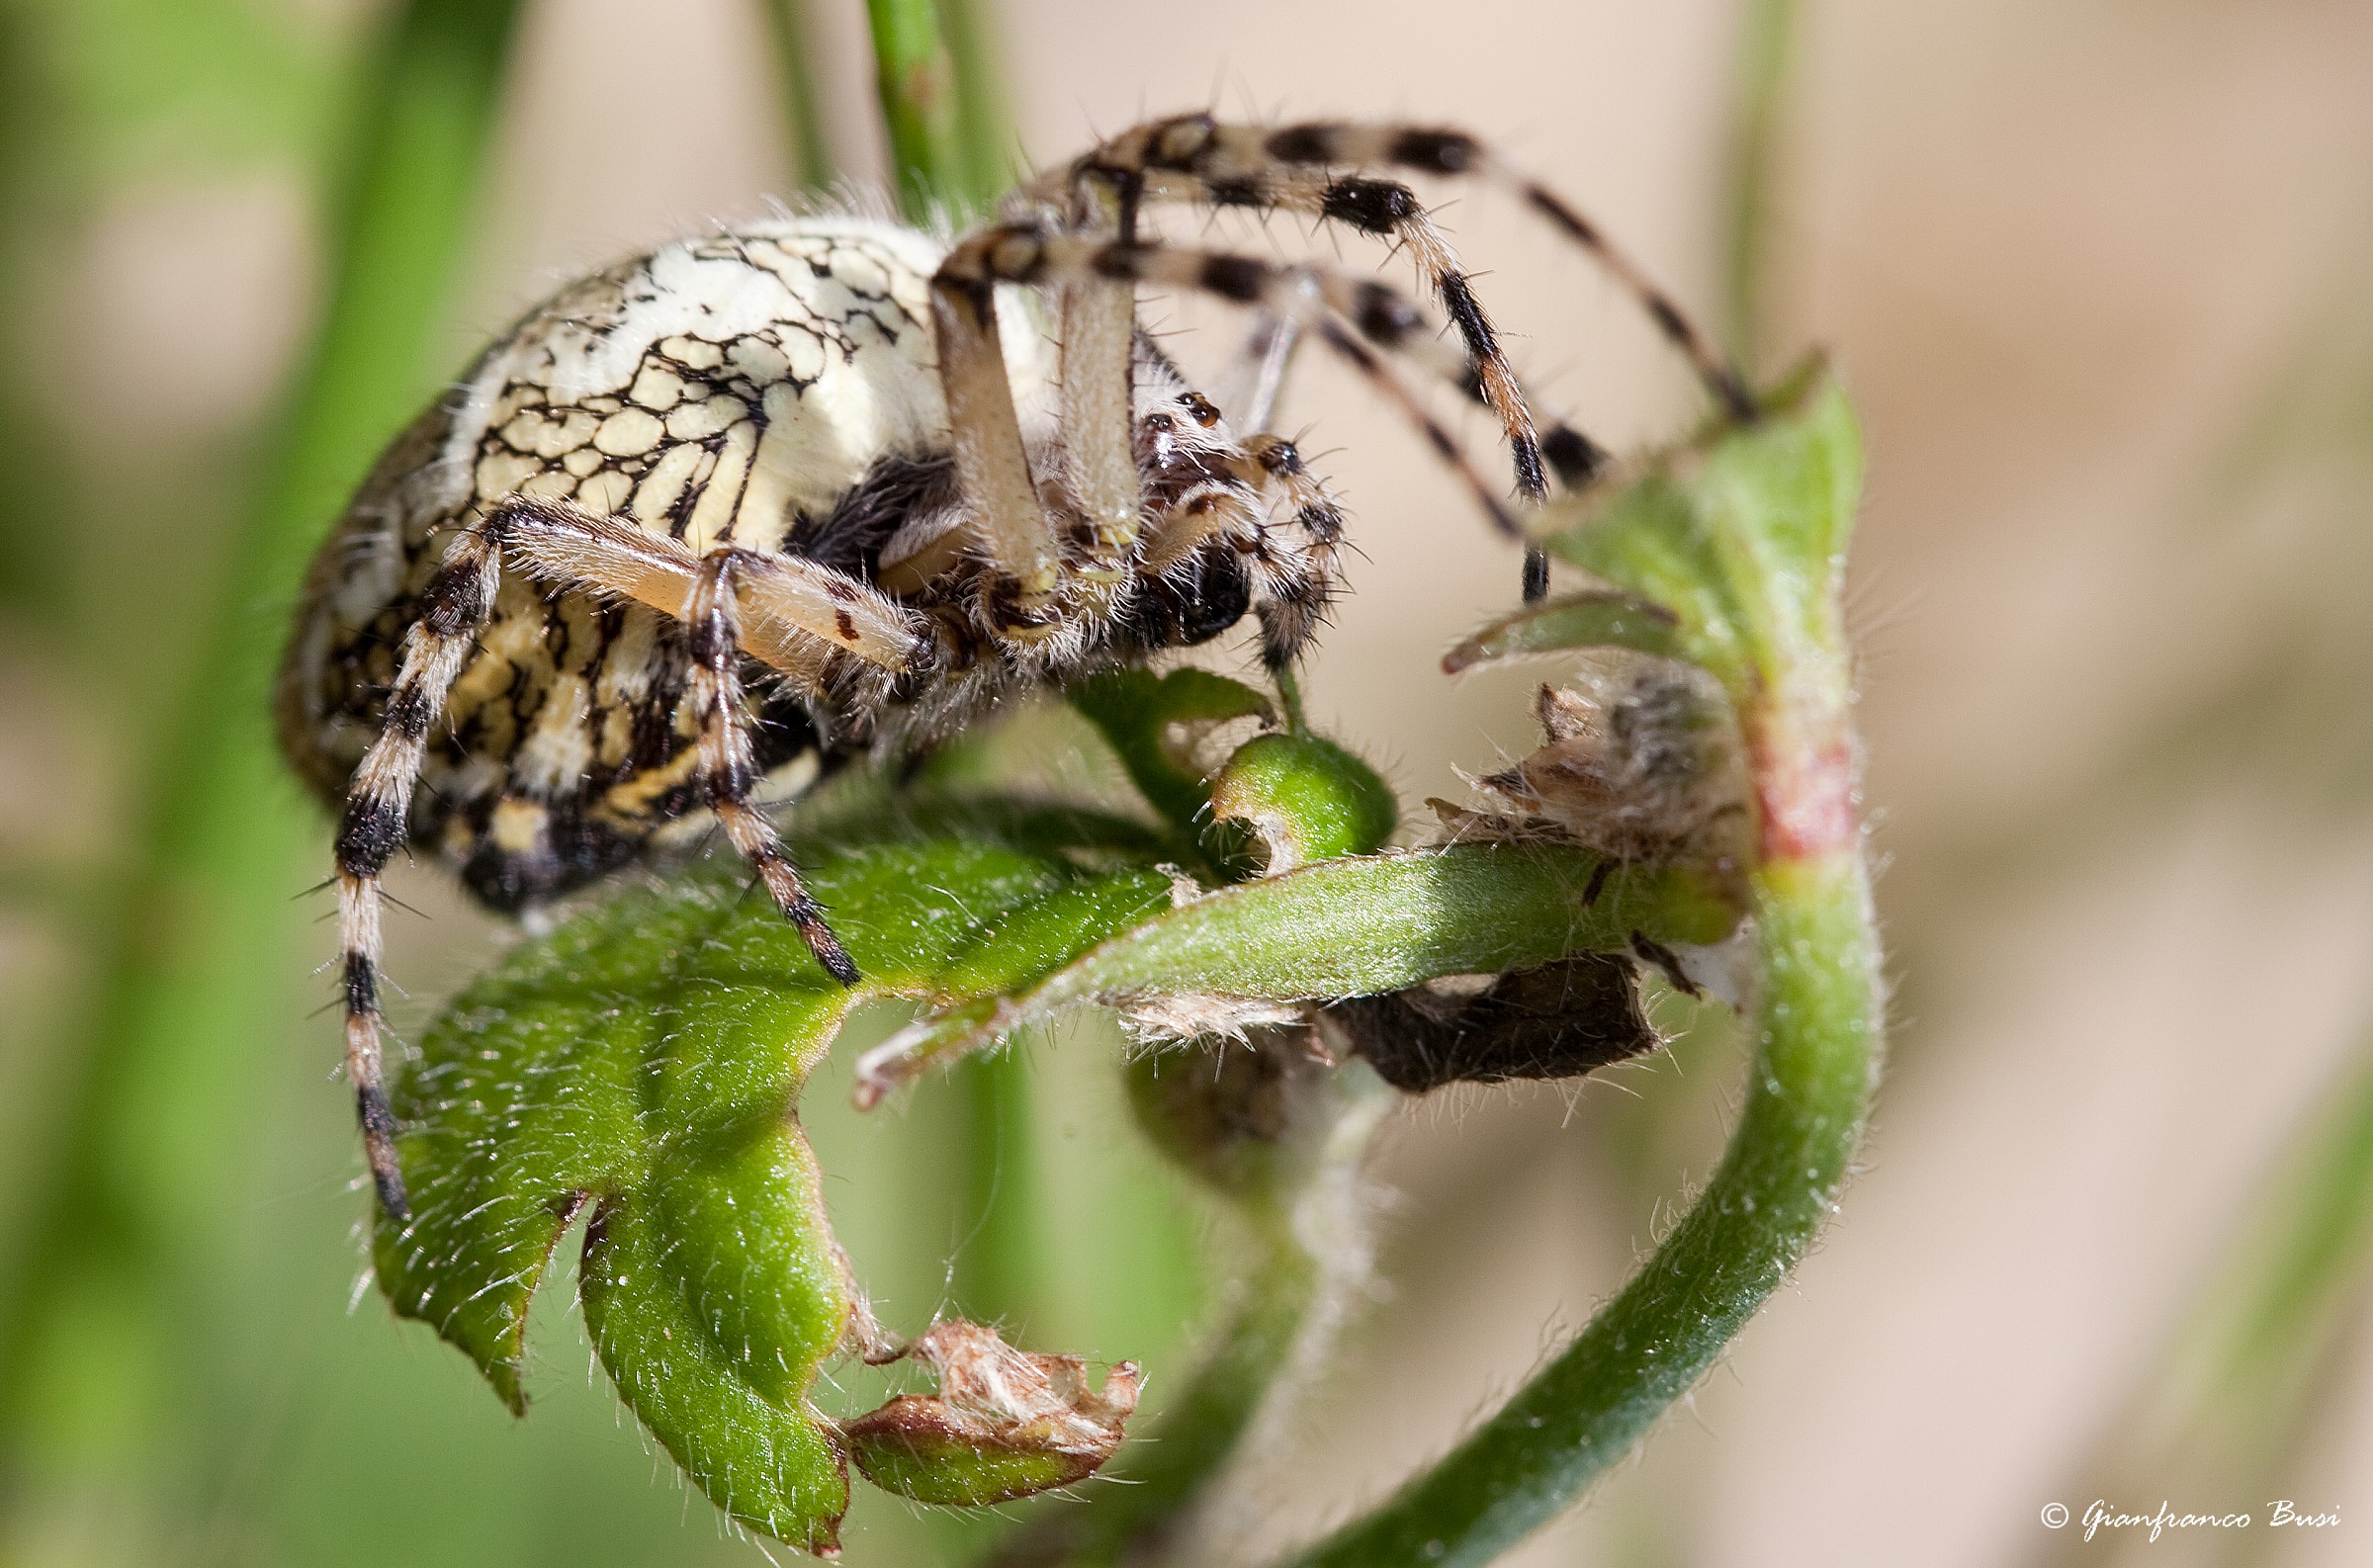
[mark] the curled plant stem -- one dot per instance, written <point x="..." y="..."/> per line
<point x="1809" y="1089"/>
<point x="1742" y="534"/>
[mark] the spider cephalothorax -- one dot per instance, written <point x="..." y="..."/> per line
<point x="760" y="503"/>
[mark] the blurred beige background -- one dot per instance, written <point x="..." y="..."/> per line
<point x="2096" y="274"/>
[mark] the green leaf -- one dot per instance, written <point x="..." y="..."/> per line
<point x="1581" y="620"/>
<point x="1146" y="718"/>
<point x="1346" y="928"/>
<point x="1741" y="534"/>
<point x="646" y="1060"/>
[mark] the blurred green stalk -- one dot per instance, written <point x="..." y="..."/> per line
<point x="936" y="118"/>
<point x="984" y="117"/>
<point x="186" y="1020"/>
<point x="920" y="107"/>
<point x="1767" y="44"/>
<point x="811" y="158"/>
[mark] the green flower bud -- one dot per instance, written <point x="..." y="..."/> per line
<point x="1303" y="800"/>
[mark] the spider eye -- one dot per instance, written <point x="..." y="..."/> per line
<point x="1205" y="412"/>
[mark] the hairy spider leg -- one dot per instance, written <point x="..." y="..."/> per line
<point x="1259" y="374"/>
<point x="1099" y="368"/>
<point x="1280" y="166"/>
<point x="1161" y="161"/>
<point x="1195" y="158"/>
<point x="1316" y="299"/>
<point x="1572" y="456"/>
<point x="377" y="808"/>
<point x="713" y="617"/>
<point x="806" y="616"/>
<point x="1296" y="602"/>
<point x="985" y="433"/>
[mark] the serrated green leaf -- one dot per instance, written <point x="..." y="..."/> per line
<point x="1742" y="534"/>
<point x="646" y="1060"/>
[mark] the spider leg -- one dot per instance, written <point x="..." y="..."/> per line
<point x="1166" y="161"/>
<point x="1257" y="376"/>
<point x="1314" y="297"/>
<point x="1573" y="457"/>
<point x="378" y="811"/>
<point x="1015" y="530"/>
<point x="713" y="617"/>
<point x="1199" y="157"/>
<point x="1100" y="325"/>
<point x="804" y="614"/>
<point x="1256" y="379"/>
<point x="1296" y="593"/>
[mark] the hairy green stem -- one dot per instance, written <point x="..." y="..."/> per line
<point x="1807" y="1091"/>
<point x="184" y="1022"/>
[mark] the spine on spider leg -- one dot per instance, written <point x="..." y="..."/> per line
<point x="732" y="772"/>
<point x="378" y="808"/>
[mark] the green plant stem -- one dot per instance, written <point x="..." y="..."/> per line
<point x="1807" y="1092"/>
<point x="1002" y="1271"/>
<point x="1766" y="53"/>
<point x="989" y="156"/>
<point x="186" y="1021"/>
<point x="803" y="113"/>
<point x="942" y="109"/>
<point x="1308" y="1243"/>
<point x="919" y="105"/>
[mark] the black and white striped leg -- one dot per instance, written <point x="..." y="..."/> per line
<point x="712" y="618"/>
<point x="1164" y="166"/>
<point x="1318" y="299"/>
<point x="377" y="812"/>
<point x="1304" y="166"/>
<point x="1294" y="591"/>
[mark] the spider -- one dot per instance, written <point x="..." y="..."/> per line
<point x="756" y="504"/>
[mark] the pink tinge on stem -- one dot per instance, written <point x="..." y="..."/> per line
<point x="1806" y="787"/>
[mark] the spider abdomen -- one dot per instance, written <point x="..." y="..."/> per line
<point x="721" y="391"/>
